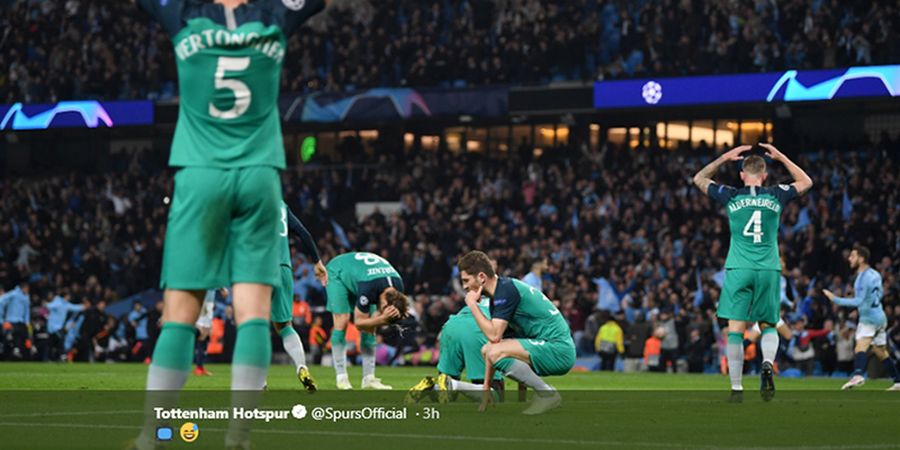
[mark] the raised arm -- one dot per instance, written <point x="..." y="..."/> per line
<point x="802" y="181"/>
<point x="493" y="329"/>
<point x="370" y="322"/>
<point x="703" y="178"/>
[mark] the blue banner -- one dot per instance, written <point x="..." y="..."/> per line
<point x="395" y="104"/>
<point x="788" y="86"/>
<point x="75" y="114"/>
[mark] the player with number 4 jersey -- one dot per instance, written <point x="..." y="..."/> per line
<point x="751" y="289"/>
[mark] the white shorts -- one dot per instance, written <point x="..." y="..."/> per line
<point x="758" y="330"/>
<point x="206" y="312"/>
<point x="877" y="333"/>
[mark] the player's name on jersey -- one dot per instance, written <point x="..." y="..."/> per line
<point x="194" y="42"/>
<point x="381" y="271"/>
<point x="757" y="202"/>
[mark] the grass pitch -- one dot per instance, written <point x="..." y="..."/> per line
<point x="101" y="406"/>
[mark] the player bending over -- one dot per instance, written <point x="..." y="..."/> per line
<point x="751" y="289"/>
<point x="543" y="343"/>
<point x="871" y="330"/>
<point x="371" y="284"/>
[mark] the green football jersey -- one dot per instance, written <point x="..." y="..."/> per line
<point x="484" y="305"/>
<point x="284" y="240"/>
<point x="754" y="216"/>
<point x="365" y="275"/>
<point x="229" y="70"/>
<point x="529" y="312"/>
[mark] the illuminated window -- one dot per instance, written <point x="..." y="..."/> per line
<point x="678" y="134"/>
<point x="499" y="138"/>
<point x="546" y="135"/>
<point x="726" y="132"/>
<point x="595" y="136"/>
<point x="522" y="133"/>
<point x="453" y="136"/>
<point x="476" y="139"/>
<point x="617" y="136"/>
<point x="702" y="131"/>
<point x="755" y="131"/>
<point x="409" y="140"/>
<point x="368" y="135"/>
<point x="430" y="143"/>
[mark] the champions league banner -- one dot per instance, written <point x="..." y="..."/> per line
<point x="395" y="104"/>
<point x="75" y="114"/>
<point x="788" y="86"/>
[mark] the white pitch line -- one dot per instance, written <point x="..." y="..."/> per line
<point x="72" y="413"/>
<point x="467" y="438"/>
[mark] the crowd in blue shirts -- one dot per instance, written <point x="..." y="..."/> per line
<point x="627" y="235"/>
<point x="100" y="49"/>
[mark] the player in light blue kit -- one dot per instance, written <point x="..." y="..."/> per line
<point x="871" y="330"/>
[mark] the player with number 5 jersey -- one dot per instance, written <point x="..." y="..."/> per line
<point x="228" y="148"/>
<point x="751" y="291"/>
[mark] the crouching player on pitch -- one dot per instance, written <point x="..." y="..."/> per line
<point x="543" y="345"/>
<point x="461" y="343"/>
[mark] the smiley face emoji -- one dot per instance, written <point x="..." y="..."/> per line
<point x="190" y="432"/>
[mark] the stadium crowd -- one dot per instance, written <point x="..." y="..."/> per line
<point x="77" y="49"/>
<point x="620" y="240"/>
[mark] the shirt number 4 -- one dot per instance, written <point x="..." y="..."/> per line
<point x="754" y="227"/>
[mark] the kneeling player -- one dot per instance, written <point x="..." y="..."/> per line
<point x="544" y="343"/>
<point x="461" y="342"/>
<point x="369" y="282"/>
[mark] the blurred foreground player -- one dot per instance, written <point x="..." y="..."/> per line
<point x="222" y="226"/>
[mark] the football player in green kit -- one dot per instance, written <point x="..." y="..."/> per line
<point x="751" y="291"/>
<point x="370" y="288"/>
<point x="461" y="343"/>
<point x="283" y="293"/>
<point x="543" y="343"/>
<point x="222" y="227"/>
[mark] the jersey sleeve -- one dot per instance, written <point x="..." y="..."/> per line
<point x="785" y="193"/>
<point x="166" y="12"/>
<point x="506" y="302"/>
<point x="306" y="239"/>
<point x="721" y="193"/>
<point x="296" y="12"/>
<point x="368" y="293"/>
